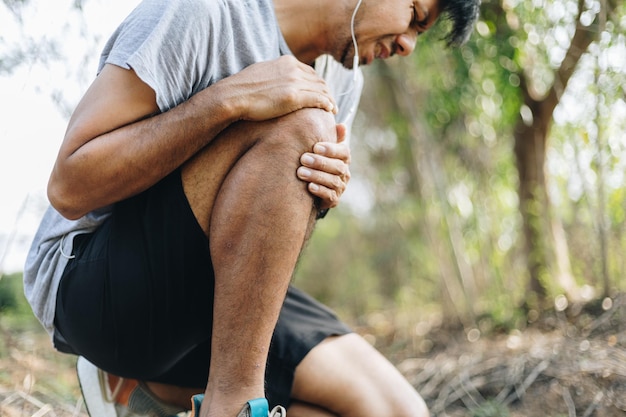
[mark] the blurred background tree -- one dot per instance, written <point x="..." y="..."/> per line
<point x="489" y="178"/>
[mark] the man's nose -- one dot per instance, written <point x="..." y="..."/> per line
<point x="406" y="43"/>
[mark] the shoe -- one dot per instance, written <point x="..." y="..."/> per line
<point x="107" y="395"/>
<point x="253" y="408"/>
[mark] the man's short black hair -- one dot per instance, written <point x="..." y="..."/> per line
<point x="462" y="14"/>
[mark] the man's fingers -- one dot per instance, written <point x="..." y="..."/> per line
<point x="332" y="181"/>
<point x="330" y="165"/>
<point x="327" y="187"/>
<point x="327" y="170"/>
<point x="328" y="197"/>
<point x="342" y="130"/>
<point x="278" y="87"/>
<point x="339" y="151"/>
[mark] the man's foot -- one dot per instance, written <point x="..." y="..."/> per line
<point x="253" y="408"/>
<point x="107" y="395"/>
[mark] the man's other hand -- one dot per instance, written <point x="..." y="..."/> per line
<point x="327" y="169"/>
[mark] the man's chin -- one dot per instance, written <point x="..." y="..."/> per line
<point x="343" y="60"/>
<point x="347" y="63"/>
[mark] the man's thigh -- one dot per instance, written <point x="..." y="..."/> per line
<point x="138" y="294"/>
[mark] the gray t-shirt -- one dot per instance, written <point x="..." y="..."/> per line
<point x="178" y="48"/>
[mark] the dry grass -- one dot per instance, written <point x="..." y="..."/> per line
<point x="34" y="379"/>
<point x="562" y="367"/>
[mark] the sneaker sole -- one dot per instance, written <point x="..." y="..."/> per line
<point x="89" y="382"/>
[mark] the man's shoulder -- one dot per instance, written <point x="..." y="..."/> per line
<point x="218" y="13"/>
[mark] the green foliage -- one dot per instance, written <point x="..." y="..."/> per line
<point x="10" y="293"/>
<point x="8" y="301"/>
<point x="13" y="304"/>
<point x="490" y="409"/>
<point x="433" y="145"/>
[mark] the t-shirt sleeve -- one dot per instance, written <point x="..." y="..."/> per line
<point x="166" y="43"/>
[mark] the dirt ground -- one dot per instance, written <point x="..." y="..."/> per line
<point x="567" y="364"/>
<point x="561" y="366"/>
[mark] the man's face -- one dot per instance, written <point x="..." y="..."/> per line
<point x="384" y="28"/>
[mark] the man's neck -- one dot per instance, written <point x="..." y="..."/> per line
<point x="306" y="25"/>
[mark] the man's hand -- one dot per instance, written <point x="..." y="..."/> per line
<point x="327" y="169"/>
<point x="271" y="89"/>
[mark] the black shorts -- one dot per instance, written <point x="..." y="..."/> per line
<point x="137" y="299"/>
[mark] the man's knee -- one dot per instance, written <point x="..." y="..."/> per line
<point x="297" y="132"/>
<point x="271" y="148"/>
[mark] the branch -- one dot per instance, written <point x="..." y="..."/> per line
<point x="583" y="36"/>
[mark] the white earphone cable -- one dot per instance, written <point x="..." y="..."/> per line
<point x="355" y="59"/>
<point x="355" y="62"/>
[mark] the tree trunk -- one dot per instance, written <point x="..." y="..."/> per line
<point x="544" y="239"/>
<point x="530" y="154"/>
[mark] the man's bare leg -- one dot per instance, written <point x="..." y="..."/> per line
<point x="345" y="376"/>
<point x="244" y="192"/>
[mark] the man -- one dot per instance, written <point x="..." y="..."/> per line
<point x="189" y="178"/>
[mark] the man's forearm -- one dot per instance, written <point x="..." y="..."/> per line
<point x="127" y="160"/>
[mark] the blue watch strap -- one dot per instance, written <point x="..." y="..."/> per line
<point x="259" y="407"/>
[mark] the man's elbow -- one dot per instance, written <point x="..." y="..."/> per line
<point x="64" y="199"/>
